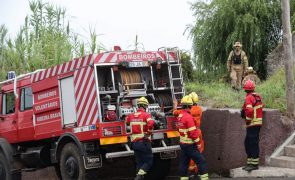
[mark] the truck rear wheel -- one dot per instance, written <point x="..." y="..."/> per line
<point x="4" y="168"/>
<point x="71" y="163"/>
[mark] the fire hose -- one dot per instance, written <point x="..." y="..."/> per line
<point x="131" y="78"/>
<point x="164" y="100"/>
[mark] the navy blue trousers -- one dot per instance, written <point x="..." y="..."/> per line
<point x="143" y="155"/>
<point x="190" y="151"/>
<point x="252" y="142"/>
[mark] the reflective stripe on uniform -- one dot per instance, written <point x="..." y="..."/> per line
<point x="141" y="172"/>
<point x="249" y="106"/>
<point x="187" y="130"/>
<point x="204" y="177"/>
<point x="197" y="140"/>
<point x="249" y="160"/>
<point x="148" y="119"/>
<point x="185" y="138"/>
<point x="184" y="178"/>
<point x="135" y="136"/>
<point x="255" y="120"/>
<point x="255" y="161"/>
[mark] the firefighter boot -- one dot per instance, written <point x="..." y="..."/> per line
<point x="251" y="168"/>
<point x="249" y="162"/>
<point x="139" y="177"/>
<point x="246" y="167"/>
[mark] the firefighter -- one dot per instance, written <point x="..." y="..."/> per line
<point x="189" y="142"/>
<point x="251" y="74"/>
<point x="141" y="125"/>
<point x="252" y="113"/>
<point x="196" y="112"/>
<point x="237" y="64"/>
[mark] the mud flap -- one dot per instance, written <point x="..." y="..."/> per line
<point x="168" y="155"/>
<point x="91" y="162"/>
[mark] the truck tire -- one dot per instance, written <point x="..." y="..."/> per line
<point x="71" y="163"/>
<point x="4" y="168"/>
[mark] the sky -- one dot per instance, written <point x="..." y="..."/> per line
<point x="158" y="23"/>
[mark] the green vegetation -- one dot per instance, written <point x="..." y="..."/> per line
<point x="219" y="23"/>
<point x="221" y="95"/>
<point x="45" y="39"/>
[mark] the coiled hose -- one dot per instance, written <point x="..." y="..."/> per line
<point x="131" y="77"/>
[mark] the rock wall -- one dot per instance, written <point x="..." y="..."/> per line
<point x="224" y="133"/>
<point x="275" y="58"/>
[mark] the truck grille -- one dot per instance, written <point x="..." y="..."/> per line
<point x="112" y="130"/>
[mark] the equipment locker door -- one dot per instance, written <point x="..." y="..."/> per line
<point x="68" y="103"/>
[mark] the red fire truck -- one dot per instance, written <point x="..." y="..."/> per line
<point x="72" y="116"/>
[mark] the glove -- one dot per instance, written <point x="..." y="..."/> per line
<point x="147" y="135"/>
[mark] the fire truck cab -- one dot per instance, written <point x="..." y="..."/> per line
<point x="72" y="116"/>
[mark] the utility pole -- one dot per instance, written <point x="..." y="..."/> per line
<point x="289" y="64"/>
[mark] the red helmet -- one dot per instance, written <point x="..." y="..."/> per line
<point x="249" y="85"/>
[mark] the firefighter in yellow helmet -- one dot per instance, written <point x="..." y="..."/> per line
<point x="196" y="112"/>
<point x="189" y="142"/>
<point x="237" y="64"/>
<point x="141" y="126"/>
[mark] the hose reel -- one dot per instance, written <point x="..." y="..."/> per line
<point x="165" y="100"/>
<point x="131" y="79"/>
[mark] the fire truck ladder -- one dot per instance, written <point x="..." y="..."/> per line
<point x="175" y="73"/>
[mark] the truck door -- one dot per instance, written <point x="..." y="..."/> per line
<point x="25" y="115"/>
<point x="8" y="123"/>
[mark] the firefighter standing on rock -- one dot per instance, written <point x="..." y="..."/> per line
<point x="141" y="126"/>
<point x="252" y="113"/>
<point x="189" y="142"/>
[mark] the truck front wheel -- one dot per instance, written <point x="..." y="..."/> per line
<point x="71" y="163"/>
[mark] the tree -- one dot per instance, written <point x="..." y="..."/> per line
<point x="187" y="66"/>
<point x="220" y="23"/>
<point x="289" y="63"/>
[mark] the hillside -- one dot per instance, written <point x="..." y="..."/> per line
<point x="221" y="95"/>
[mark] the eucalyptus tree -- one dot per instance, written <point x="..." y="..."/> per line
<point x="219" y="23"/>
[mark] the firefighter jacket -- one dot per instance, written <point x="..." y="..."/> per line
<point x="141" y="124"/>
<point x="187" y="129"/>
<point x="196" y="112"/>
<point x="253" y="108"/>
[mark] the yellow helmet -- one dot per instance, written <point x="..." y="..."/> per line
<point x="143" y="101"/>
<point x="194" y="97"/>
<point x="186" y="100"/>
